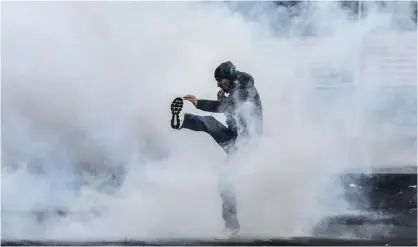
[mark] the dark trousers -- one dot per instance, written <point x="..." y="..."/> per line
<point x="226" y="139"/>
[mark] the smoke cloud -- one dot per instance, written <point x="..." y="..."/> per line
<point x="86" y="90"/>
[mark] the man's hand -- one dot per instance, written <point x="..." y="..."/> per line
<point x="191" y="98"/>
<point x="221" y="95"/>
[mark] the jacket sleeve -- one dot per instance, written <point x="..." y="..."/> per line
<point x="215" y="106"/>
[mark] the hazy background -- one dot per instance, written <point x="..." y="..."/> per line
<point x="86" y="89"/>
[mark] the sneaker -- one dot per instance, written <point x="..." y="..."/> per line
<point x="177" y="117"/>
<point x="227" y="233"/>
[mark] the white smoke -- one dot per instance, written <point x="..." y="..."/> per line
<point x="86" y="90"/>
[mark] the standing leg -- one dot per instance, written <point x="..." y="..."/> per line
<point x="227" y="193"/>
<point x="229" y="208"/>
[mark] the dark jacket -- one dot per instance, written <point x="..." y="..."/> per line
<point x="242" y="118"/>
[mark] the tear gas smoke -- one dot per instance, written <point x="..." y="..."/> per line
<point x="86" y="89"/>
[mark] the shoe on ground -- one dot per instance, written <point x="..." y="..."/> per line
<point x="227" y="233"/>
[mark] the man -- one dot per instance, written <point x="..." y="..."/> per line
<point x="244" y="118"/>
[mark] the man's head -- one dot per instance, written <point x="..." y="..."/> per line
<point x="223" y="84"/>
<point x="224" y="74"/>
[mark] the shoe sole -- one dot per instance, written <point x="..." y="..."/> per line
<point x="176" y="108"/>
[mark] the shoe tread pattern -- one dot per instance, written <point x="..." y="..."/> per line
<point x="176" y="107"/>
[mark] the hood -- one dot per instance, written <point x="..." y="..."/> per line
<point x="241" y="80"/>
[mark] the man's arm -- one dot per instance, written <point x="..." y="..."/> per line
<point x="215" y="106"/>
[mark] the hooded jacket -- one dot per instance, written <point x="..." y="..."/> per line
<point x="242" y="107"/>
